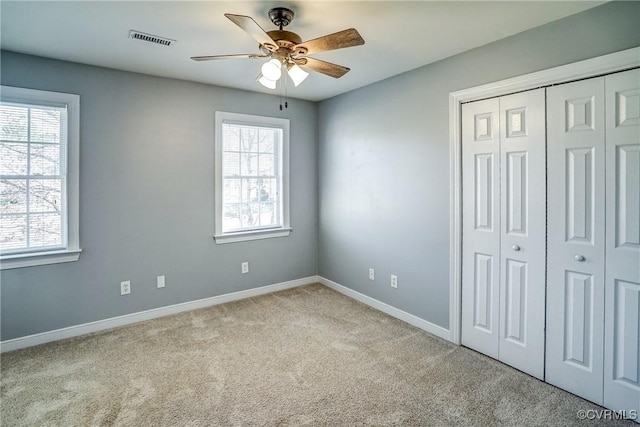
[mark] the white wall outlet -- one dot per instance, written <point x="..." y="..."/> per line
<point x="394" y="281"/>
<point x="160" y="282"/>
<point x="372" y="274"/>
<point x="244" y="267"/>
<point x="125" y="288"/>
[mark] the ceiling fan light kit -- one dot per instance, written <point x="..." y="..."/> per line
<point x="269" y="84"/>
<point x="272" y="69"/>
<point x="297" y="74"/>
<point x="285" y="49"/>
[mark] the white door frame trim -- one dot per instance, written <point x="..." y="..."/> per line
<point x="600" y="65"/>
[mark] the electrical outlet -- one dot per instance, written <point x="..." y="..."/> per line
<point x="125" y="288"/>
<point x="372" y="274"/>
<point x="244" y="267"/>
<point x="394" y="281"/>
<point x="160" y="282"/>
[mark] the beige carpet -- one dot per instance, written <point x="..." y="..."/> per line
<point x="306" y="356"/>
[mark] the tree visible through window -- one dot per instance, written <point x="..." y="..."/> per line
<point x="251" y="179"/>
<point x="32" y="180"/>
<point x="39" y="177"/>
<point x="251" y="188"/>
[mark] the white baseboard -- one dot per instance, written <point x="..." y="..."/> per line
<point x="432" y="328"/>
<point x="128" y="319"/>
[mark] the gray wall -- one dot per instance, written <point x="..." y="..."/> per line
<point x="147" y="199"/>
<point x="384" y="158"/>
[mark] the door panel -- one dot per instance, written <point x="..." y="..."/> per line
<point x="578" y="319"/>
<point x="522" y="225"/>
<point x="625" y="333"/>
<point x="516" y="299"/>
<point x="575" y="242"/>
<point x="622" y="282"/>
<point x="627" y="214"/>
<point x="517" y="192"/>
<point x="484" y="170"/>
<point x="480" y="227"/>
<point x="483" y="304"/>
<point x="580" y="197"/>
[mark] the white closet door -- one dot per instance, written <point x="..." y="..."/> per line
<point x="481" y="226"/>
<point x="575" y="263"/>
<point x="522" y="225"/>
<point x="622" y="282"/>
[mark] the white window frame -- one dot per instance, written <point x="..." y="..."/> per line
<point x="71" y="252"/>
<point x="284" y="230"/>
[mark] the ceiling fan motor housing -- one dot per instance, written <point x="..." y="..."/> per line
<point x="281" y="16"/>
<point x="286" y="39"/>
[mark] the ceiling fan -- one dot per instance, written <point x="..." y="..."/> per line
<point x="285" y="49"/>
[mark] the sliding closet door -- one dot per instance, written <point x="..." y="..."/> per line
<point x="522" y="225"/>
<point x="575" y="288"/>
<point x="622" y="282"/>
<point x="481" y="226"/>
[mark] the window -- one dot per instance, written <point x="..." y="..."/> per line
<point x="39" y="144"/>
<point x="252" y="177"/>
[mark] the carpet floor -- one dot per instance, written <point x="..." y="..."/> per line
<point x="304" y="356"/>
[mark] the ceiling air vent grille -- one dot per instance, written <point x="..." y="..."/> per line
<point x="138" y="35"/>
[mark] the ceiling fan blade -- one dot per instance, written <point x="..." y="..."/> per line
<point x="252" y="28"/>
<point x="339" y="40"/>
<point x="238" y="56"/>
<point x="323" y="67"/>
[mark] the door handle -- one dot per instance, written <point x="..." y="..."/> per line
<point x="579" y="258"/>
<point x="515" y="248"/>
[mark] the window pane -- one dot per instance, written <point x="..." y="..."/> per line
<point x="266" y="165"/>
<point x="45" y="159"/>
<point x="271" y="185"/>
<point x="267" y="140"/>
<point x="232" y="215"/>
<point x="250" y="217"/>
<point x="248" y="164"/>
<point x="232" y="191"/>
<point x="264" y="192"/>
<point x="268" y="216"/>
<point x="13" y="196"/>
<point x="45" y="230"/>
<point x="45" y="195"/>
<point x="231" y="137"/>
<point x="231" y="164"/>
<point x="13" y="232"/>
<point x="45" y="125"/>
<point x="13" y="123"/>
<point x="251" y="190"/>
<point x="13" y="158"/>
<point x="244" y="211"/>
<point x="249" y="139"/>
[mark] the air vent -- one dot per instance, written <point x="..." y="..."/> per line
<point x="138" y="35"/>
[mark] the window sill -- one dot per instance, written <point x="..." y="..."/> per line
<point x="38" y="258"/>
<point x="244" y="236"/>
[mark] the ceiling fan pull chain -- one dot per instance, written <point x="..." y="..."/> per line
<point x="286" y="89"/>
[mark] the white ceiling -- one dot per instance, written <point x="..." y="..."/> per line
<point x="399" y="36"/>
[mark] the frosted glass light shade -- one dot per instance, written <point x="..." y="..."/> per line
<point x="269" y="84"/>
<point x="297" y="74"/>
<point x="271" y="69"/>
